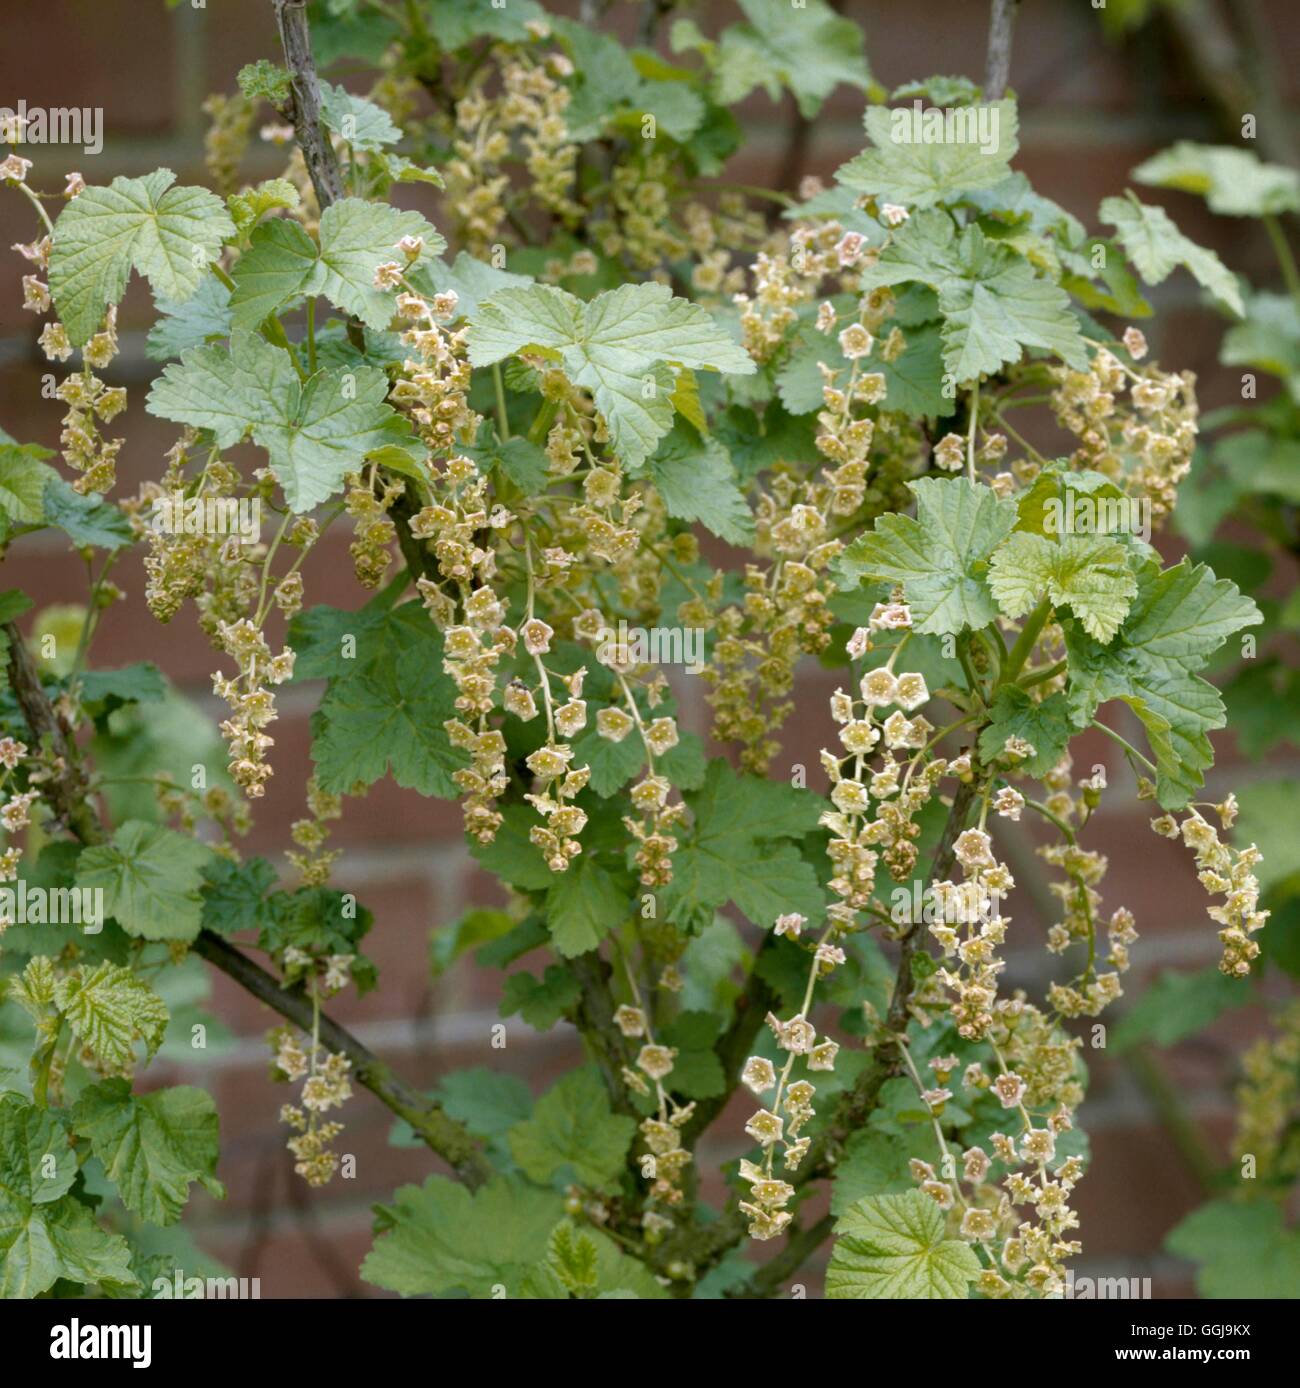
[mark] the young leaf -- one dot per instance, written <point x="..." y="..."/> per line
<point x="109" y="1009"/>
<point x="1087" y="573"/>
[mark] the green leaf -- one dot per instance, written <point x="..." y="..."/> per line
<point x="234" y="894"/>
<point x="811" y="50"/>
<point x="470" y="279"/>
<point x="109" y="1008"/>
<point x="873" y="1163"/>
<point x="1046" y="725"/>
<point x="389" y="720"/>
<point x="103" y="691"/>
<point x="360" y="122"/>
<point x="1235" y="182"/>
<point x="438" y="1238"/>
<point x="275" y="268"/>
<point x="87" y="520"/>
<point x="697" y="1071"/>
<point x="941" y="557"/>
<point x="204" y="315"/>
<point x="169" y="235"/>
<point x="448" y="942"/>
<point x="319" y="921"/>
<point x="356" y="237"/>
<point x="993" y="304"/>
<point x="1178" y="1005"/>
<point x="573" y="1135"/>
<point x="1089" y="574"/>
<point x="973" y="152"/>
<point x="892" y="1247"/>
<point x="1157" y="248"/>
<point x="511" y="855"/>
<point x="46" y="1234"/>
<point x="733" y="853"/>
<point x="1269" y="812"/>
<point x="150" y="876"/>
<point x="1178" y="619"/>
<point x="614" y="346"/>
<point x="1269" y="339"/>
<point x="584" y="905"/>
<point x="540" y="1002"/>
<point x="152" y="1145"/>
<point x="315" y="431"/>
<point x="23" y="479"/>
<point x="696" y="482"/>
<point x="488" y="1102"/>
<point x="1243" y="1248"/>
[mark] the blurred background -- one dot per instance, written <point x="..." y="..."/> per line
<point x="1100" y="90"/>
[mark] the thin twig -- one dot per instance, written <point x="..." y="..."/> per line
<point x="997" y="67"/>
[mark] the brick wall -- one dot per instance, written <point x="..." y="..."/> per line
<point x="1090" y="111"/>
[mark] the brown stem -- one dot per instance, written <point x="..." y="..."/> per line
<point x="997" y="67"/>
<point x="317" y="152"/>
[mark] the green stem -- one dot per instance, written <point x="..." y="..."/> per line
<point x="311" y="335"/>
<point x="1029" y="634"/>
<point x="970" y="437"/>
<point x="1285" y="260"/>
<point x="503" y="420"/>
<point x="1126" y="745"/>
